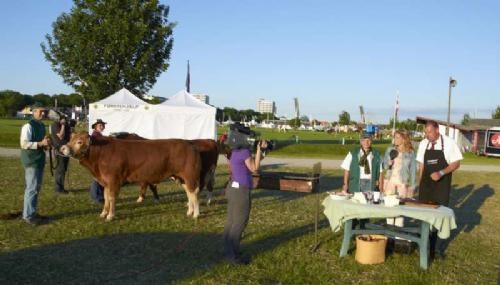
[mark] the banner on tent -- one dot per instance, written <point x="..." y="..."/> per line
<point x="121" y="107"/>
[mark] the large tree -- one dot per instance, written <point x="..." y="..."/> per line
<point x="101" y="46"/>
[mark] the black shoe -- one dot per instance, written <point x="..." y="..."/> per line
<point x="437" y="255"/>
<point x="35" y="221"/>
<point x="41" y="217"/>
<point x="237" y="261"/>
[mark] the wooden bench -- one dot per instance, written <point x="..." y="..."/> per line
<point x="289" y="181"/>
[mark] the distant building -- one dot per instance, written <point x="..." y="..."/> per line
<point x="266" y="106"/>
<point x="469" y="137"/>
<point x="202" y="97"/>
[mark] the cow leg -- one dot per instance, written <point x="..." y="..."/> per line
<point x="113" y="195"/>
<point x="142" y="193"/>
<point x="154" y="190"/>
<point x="209" y="198"/>
<point x="193" y="203"/>
<point x="189" y="203"/>
<point x="209" y="184"/>
<point x="105" y="209"/>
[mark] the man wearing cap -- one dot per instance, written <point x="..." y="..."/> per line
<point x="60" y="133"/>
<point x="362" y="168"/>
<point x="33" y="142"/>
<point x="96" y="190"/>
<point x="438" y="157"/>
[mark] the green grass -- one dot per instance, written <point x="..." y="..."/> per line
<point x="156" y="244"/>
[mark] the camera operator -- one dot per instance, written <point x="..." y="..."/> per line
<point x="60" y="133"/>
<point x="242" y="165"/>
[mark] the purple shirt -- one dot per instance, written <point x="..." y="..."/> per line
<point x="239" y="171"/>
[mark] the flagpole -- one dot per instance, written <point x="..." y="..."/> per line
<point x="188" y="80"/>
<point x="396" y="107"/>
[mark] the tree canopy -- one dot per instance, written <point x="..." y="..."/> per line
<point x="496" y="113"/>
<point x="465" y="119"/>
<point x="101" y="46"/>
<point x="408" y="124"/>
<point x="344" y="118"/>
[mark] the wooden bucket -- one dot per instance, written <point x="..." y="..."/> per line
<point x="370" y="249"/>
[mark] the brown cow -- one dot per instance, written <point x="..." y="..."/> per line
<point x="114" y="162"/>
<point x="209" y="154"/>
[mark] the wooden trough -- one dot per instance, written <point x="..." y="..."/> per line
<point x="289" y="181"/>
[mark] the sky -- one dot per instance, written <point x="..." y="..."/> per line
<point x="331" y="55"/>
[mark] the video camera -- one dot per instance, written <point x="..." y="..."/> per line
<point x="57" y="116"/>
<point x="241" y="136"/>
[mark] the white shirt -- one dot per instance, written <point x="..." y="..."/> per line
<point x="451" y="151"/>
<point x="346" y="165"/>
<point x="25" y="140"/>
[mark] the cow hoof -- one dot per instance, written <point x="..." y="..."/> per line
<point x="140" y="200"/>
<point x="103" y="215"/>
<point x="209" y="202"/>
<point x="109" y="218"/>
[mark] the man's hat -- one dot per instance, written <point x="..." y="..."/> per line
<point x="366" y="135"/>
<point x="99" y="121"/>
<point x="38" y="105"/>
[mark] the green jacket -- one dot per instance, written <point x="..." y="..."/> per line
<point x="34" y="157"/>
<point x="354" y="174"/>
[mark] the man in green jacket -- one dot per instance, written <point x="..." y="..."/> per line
<point x="362" y="168"/>
<point x="33" y="143"/>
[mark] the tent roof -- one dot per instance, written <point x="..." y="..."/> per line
<point x="122" y="97"/>
<point x="185" y="99"/>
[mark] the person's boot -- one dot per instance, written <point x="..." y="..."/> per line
<point x="432" y="244"/>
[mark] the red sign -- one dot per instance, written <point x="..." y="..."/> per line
<point x="495" y="140"/>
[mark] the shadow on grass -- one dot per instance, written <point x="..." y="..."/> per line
<point x="466" y="202"/>
<point x="135" y="258"/>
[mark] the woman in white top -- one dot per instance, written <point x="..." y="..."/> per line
<point x="401" y="170"/>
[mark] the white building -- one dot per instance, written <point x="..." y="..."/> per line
<point x="202" y="97"/>
<point x="266" y="106"/>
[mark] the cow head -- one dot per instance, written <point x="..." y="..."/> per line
<point x="77" y="146"/>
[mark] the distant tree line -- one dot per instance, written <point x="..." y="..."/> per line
<point x="13" y="101"/>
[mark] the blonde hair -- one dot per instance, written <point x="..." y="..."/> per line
<point x="406" y="146"/>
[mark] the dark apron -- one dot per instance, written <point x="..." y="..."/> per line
<point x="430" y="190"/>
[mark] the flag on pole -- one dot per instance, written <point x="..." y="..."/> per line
<point x="396" y="108"/>
<point x="396" y="111"/>
<point x="188" y="80"/>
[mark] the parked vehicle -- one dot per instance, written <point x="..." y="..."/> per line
<point x="492" y="142"/>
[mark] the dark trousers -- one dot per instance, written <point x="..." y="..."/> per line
<point x="436" y="245"/>
<point x="96" y="192"/>
<point x="60" y="172"/>
<point x="238" y="213"/>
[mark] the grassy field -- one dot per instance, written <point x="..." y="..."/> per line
<point x="154" y="243"/>
<point x="310" y="144"/>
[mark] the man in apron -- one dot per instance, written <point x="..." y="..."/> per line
<point x="438" y="156"/>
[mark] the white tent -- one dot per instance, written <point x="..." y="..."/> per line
<point x="183" y="117"/>
<point x="192" y="118"/>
